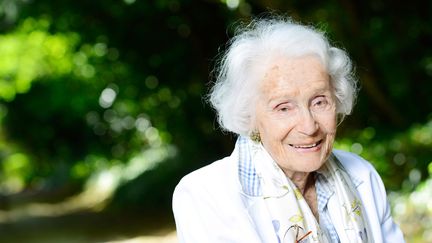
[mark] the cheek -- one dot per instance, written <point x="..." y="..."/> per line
<point x="328" y="122"/>
<point x="275" y="130"/>
<point x="331" y="127"/>
<point x="264" y="123"/>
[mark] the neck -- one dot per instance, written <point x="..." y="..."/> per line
<point x="303" y="180"/>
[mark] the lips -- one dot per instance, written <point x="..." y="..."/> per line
<point x="306" y="146"/>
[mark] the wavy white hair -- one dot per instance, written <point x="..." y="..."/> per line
<point x="248" y="57"/>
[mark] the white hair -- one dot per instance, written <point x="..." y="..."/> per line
<point x="246" y="60"/>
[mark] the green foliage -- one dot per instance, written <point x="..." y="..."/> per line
<point x="16" y="169"/>
<point x="108" y="94"/>
<point x="401" y="159"/>
<point x="414" y="211"/>
<point x="30" y="53"/>
<point x="72" y="115"/>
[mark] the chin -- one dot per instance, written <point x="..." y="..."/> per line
<point x="314" y="168"/>
<point x="312" y="164"/>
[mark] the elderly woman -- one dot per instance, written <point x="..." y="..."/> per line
<point x="283" y="89"/>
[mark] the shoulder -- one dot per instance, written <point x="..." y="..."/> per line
<point x="208" y="206"/>
<point x="204" y="192"/>
<point x="373" y="195"/>
<point x="209" y="174"/>
<point x="211" y="179"/>
<point x="369" y="183"/>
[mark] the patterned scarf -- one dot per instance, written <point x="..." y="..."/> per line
<point x="292" y="218"/>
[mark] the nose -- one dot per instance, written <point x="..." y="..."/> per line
<point x="306" y="123"/>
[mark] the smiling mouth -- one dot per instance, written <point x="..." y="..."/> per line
<point x="307" y="146"/>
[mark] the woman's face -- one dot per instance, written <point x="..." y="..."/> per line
<point x="296" y="114"/>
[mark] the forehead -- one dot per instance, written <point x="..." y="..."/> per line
<point x="295" y="76"/>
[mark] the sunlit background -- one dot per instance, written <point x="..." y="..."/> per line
<point x="102" y="109"/>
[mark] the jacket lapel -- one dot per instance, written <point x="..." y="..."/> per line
<point x="257" y="210"/>
<point x="250" y="190"/>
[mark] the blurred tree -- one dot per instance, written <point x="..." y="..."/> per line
<point x="88" y="85"/>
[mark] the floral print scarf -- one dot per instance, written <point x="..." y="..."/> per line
<point x="292" y="218"/>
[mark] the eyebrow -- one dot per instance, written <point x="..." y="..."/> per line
<point x="288" y="98"/>
<point x="275" y="101"/>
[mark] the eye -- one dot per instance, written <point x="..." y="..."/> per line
<point x="320" y="102"/>
<point x="284" y="107"/>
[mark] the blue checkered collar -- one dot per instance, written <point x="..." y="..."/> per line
<point x="247" y="173"/>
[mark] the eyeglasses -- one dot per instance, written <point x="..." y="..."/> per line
<point x="299" y="238"/>
<point x="303" y="237"/>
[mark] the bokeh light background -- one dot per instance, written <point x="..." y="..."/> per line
<point x="102" y="109"/>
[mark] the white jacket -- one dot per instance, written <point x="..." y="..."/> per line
<point x="209" y="205"/>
